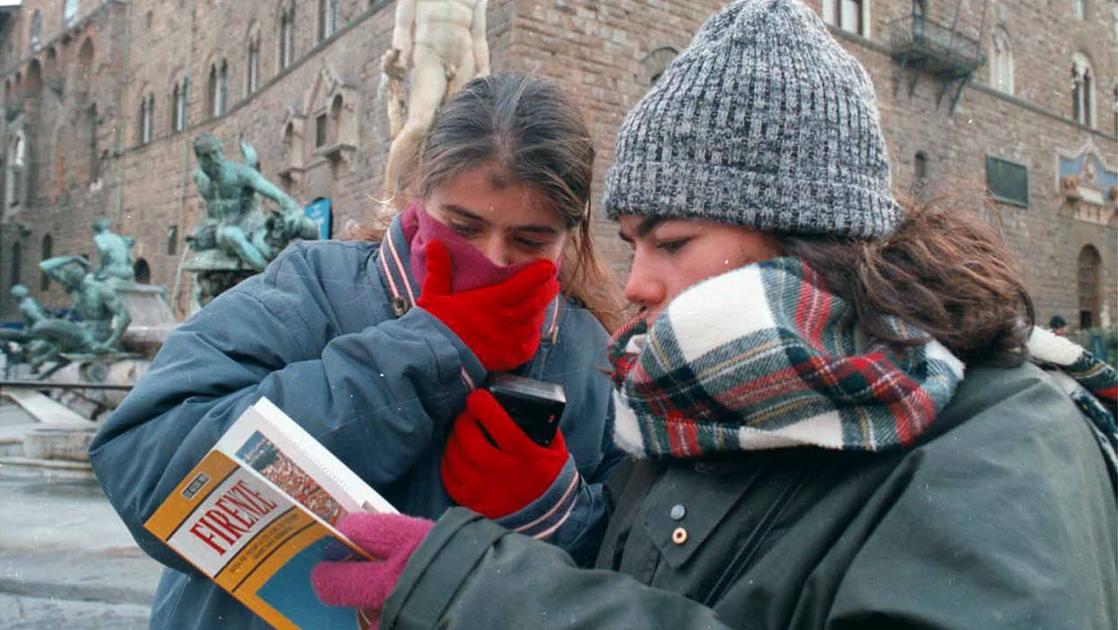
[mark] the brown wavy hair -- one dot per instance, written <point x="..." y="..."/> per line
<point x="527" y="126"/>
<point x="944" y="270"/>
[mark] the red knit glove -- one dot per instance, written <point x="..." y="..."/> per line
<point x="366" y="584"/>
<point x="497" y="480"/>
<point x="501" y="322"/>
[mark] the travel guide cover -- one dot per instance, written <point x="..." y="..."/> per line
<point x="258" y="512"/>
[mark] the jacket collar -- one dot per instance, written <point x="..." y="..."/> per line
<point x="394" y="268"/>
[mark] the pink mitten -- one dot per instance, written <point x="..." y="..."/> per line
<point x="366" y="584"/>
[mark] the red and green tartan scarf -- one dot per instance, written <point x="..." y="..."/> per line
<point x="764" y="357"/>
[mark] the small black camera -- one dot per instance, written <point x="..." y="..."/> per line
<point x="534" y="405"/>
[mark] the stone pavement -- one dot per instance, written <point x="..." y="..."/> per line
<point x="66" y="560"/>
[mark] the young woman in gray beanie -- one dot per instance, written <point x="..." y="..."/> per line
<point x="826" y="400"/>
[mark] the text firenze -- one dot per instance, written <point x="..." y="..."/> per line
<point x="231" y="517"/>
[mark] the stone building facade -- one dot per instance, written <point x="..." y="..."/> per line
<point x="101" y="99"/>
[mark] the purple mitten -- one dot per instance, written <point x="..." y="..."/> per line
<point x="366" y="584"/>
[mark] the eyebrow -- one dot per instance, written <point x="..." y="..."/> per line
<point x="531" y="228"/>
<point x="643" y="228"/>
<point x="462" y="212"/>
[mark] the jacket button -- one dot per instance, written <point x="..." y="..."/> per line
<point x="678" y="512"/>
<point x="679" y="536"/>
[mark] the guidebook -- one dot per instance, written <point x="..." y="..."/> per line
<point x="258" y="513"/>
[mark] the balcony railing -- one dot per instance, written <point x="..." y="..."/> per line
<point x="938" y="48"/>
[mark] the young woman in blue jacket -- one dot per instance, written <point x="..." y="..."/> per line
<point x="381" y="350"/>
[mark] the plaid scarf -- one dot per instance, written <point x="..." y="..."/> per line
<point x="1090" y="382"/>
<point x="765" y="357"/>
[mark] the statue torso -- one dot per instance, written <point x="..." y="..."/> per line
<point x="444" y="26"/>
<point x="31" y="312"/>
<point x="112" y="249"/>
<point x="89" y="301"/>
<point x="229" y="201"/>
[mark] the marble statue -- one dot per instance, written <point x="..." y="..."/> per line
<point x="114" y="252"/>
<point x="438" y="46"/>
<point x="234" y="223"/>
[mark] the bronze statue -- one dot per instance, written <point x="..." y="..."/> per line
<point x="234" y="223"/>
<point x="14" y="343"/>
<point x="29" y="308"/>
<point x="103" y="318"/>
<point x="114" y="252"/>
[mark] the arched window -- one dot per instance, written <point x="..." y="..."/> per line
<point x="142" y="271"/>
<point x="218" y="88"/>
<point x="851" y="16"/>
<point x="222" y="87"/>
<point x="16" y="269"/>
<point x="1001" y="62"/>
<point x="35" y="34"/>
<point x="17" y="159"/>
<point x="173" y="240"/>
<point x="252" y="73"/>
<point x="1089" y="263"/>
<point x="47" y="253"/>
<point x="1082" y="90"/>
<point x="179" y="96"/>
<point x="69" y="13"/>
<point x="287" y="38"/>
<point x="327" y="18"/>
<point x="211" y="91"/>
<point x="147" y="115"/>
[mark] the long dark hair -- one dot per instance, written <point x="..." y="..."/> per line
<point x="944" y="270"/>
<point x="527" y="126"/>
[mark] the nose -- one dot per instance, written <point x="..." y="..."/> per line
<point x="644" y="287"/>
<point x="496" y="249"/>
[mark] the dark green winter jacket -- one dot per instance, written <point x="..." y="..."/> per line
<point x="1002" y="517"/>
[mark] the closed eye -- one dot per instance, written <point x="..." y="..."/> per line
<point x="464" y="230"/>
<point x="673" y="246"/>
<point x="530" y="244"/>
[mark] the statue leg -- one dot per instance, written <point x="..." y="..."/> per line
<point x="40" y="352"/>
<point x="60" y="335"/>
<point x="234" y="238"/>
<point x="428" y="87"/>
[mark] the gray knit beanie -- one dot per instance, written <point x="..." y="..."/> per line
<point x="763" y="121"/>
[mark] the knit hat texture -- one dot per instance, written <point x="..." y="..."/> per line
<point x="763" y="121"/>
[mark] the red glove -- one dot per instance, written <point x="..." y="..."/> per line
<point x="366" y="584"/>
<point x="501" y="322"/>
<point x="497" y="480"/>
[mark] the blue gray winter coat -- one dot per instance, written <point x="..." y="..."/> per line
<point x="327" y="332"/>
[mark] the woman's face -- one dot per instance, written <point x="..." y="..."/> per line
<point x="670" y="255"/>
<point x="508" y="221"/>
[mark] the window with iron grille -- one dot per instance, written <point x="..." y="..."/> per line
<point x="1007" y="181"/>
